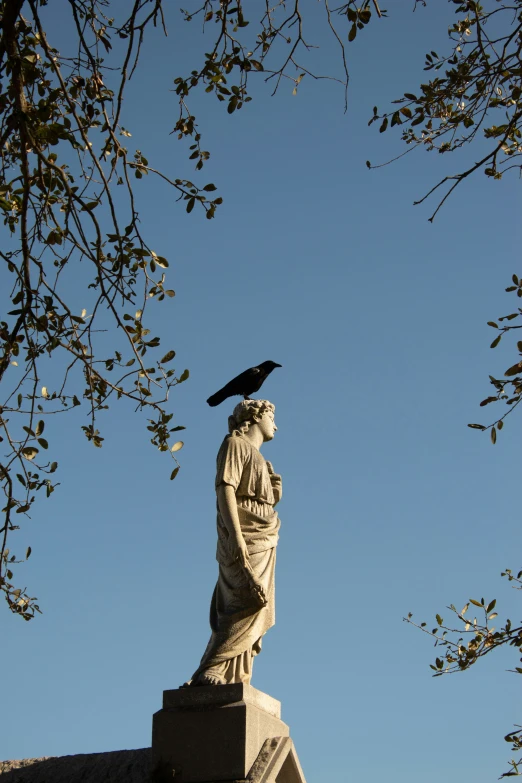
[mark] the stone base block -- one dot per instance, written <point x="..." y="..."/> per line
<point x="222" y="733"/>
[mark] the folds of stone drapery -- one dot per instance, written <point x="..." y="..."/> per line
<point x="237" y="622"/>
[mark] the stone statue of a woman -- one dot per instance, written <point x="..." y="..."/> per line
<point x="242" y="608"/>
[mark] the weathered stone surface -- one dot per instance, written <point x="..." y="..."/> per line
<point x="212" y="733"/>
<point x="277" y="762"/>
<point x="119" y="766"/>
<point x="219" y="696"/>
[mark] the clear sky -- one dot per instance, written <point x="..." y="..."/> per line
<point x="391" y="504"/>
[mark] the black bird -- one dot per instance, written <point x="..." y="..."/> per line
<point x="246" y="383"/>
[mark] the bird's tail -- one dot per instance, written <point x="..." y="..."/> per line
<point x="217" y="398"/>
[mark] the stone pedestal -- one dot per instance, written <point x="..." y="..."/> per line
<point x="231" y="733"/>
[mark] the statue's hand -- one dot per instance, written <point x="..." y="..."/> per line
<point x="256" y="588"/>
<point x="258" y="592"/>
<point x="276" y="481"/>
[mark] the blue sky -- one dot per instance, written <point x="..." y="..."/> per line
<point x="391" y="504"/>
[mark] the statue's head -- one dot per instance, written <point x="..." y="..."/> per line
<point x="250" y="412"/>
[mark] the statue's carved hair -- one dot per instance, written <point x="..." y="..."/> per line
<point x="246" y="413"/>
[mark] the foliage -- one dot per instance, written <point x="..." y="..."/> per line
<point x="239" y="52"/>
<point x="473" y="95"/>
<point x="63" y="150"/>
<point x="478" y="79"/>
<point x="467" y="640"/>
<point x="513" y="374"/>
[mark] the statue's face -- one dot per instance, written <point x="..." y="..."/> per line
<point x="267" y="425"/>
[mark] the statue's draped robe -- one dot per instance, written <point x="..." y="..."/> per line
<point x="237" y="622"/>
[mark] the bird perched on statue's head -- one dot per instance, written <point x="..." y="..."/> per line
<point x="246" y="383"/>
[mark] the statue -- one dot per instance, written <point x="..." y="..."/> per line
<point x="233" y="732"/>
<point x="243" y="607"/>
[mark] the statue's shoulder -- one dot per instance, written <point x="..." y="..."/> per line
<point x="233" y="442"/>
<point x="233" y="455"/>
<point x="238" y="441"/>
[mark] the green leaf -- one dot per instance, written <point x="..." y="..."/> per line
<point x="39" y="428"/>
<point x="28" y="553"/>
<point x="475" y="603"/>
<point x="29" y="452"/>
<point x="352" y="33"/>
<point x="184" y="375"/>
<point x="177" y="446"/>
<point x="168" y="357"/>
<point x="493" y="435"/>
<point x="160" y="261"/>
<point x="209" y="187"/>
<point x="174" y="473"/>
<point x="43" y="443"/>
<point x="496" y="341"/>
<point x="491" y="606"/>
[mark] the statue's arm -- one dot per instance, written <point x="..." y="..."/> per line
<point x="226" y="498"/>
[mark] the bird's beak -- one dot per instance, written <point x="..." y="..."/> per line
<point x="277" y="365"/>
